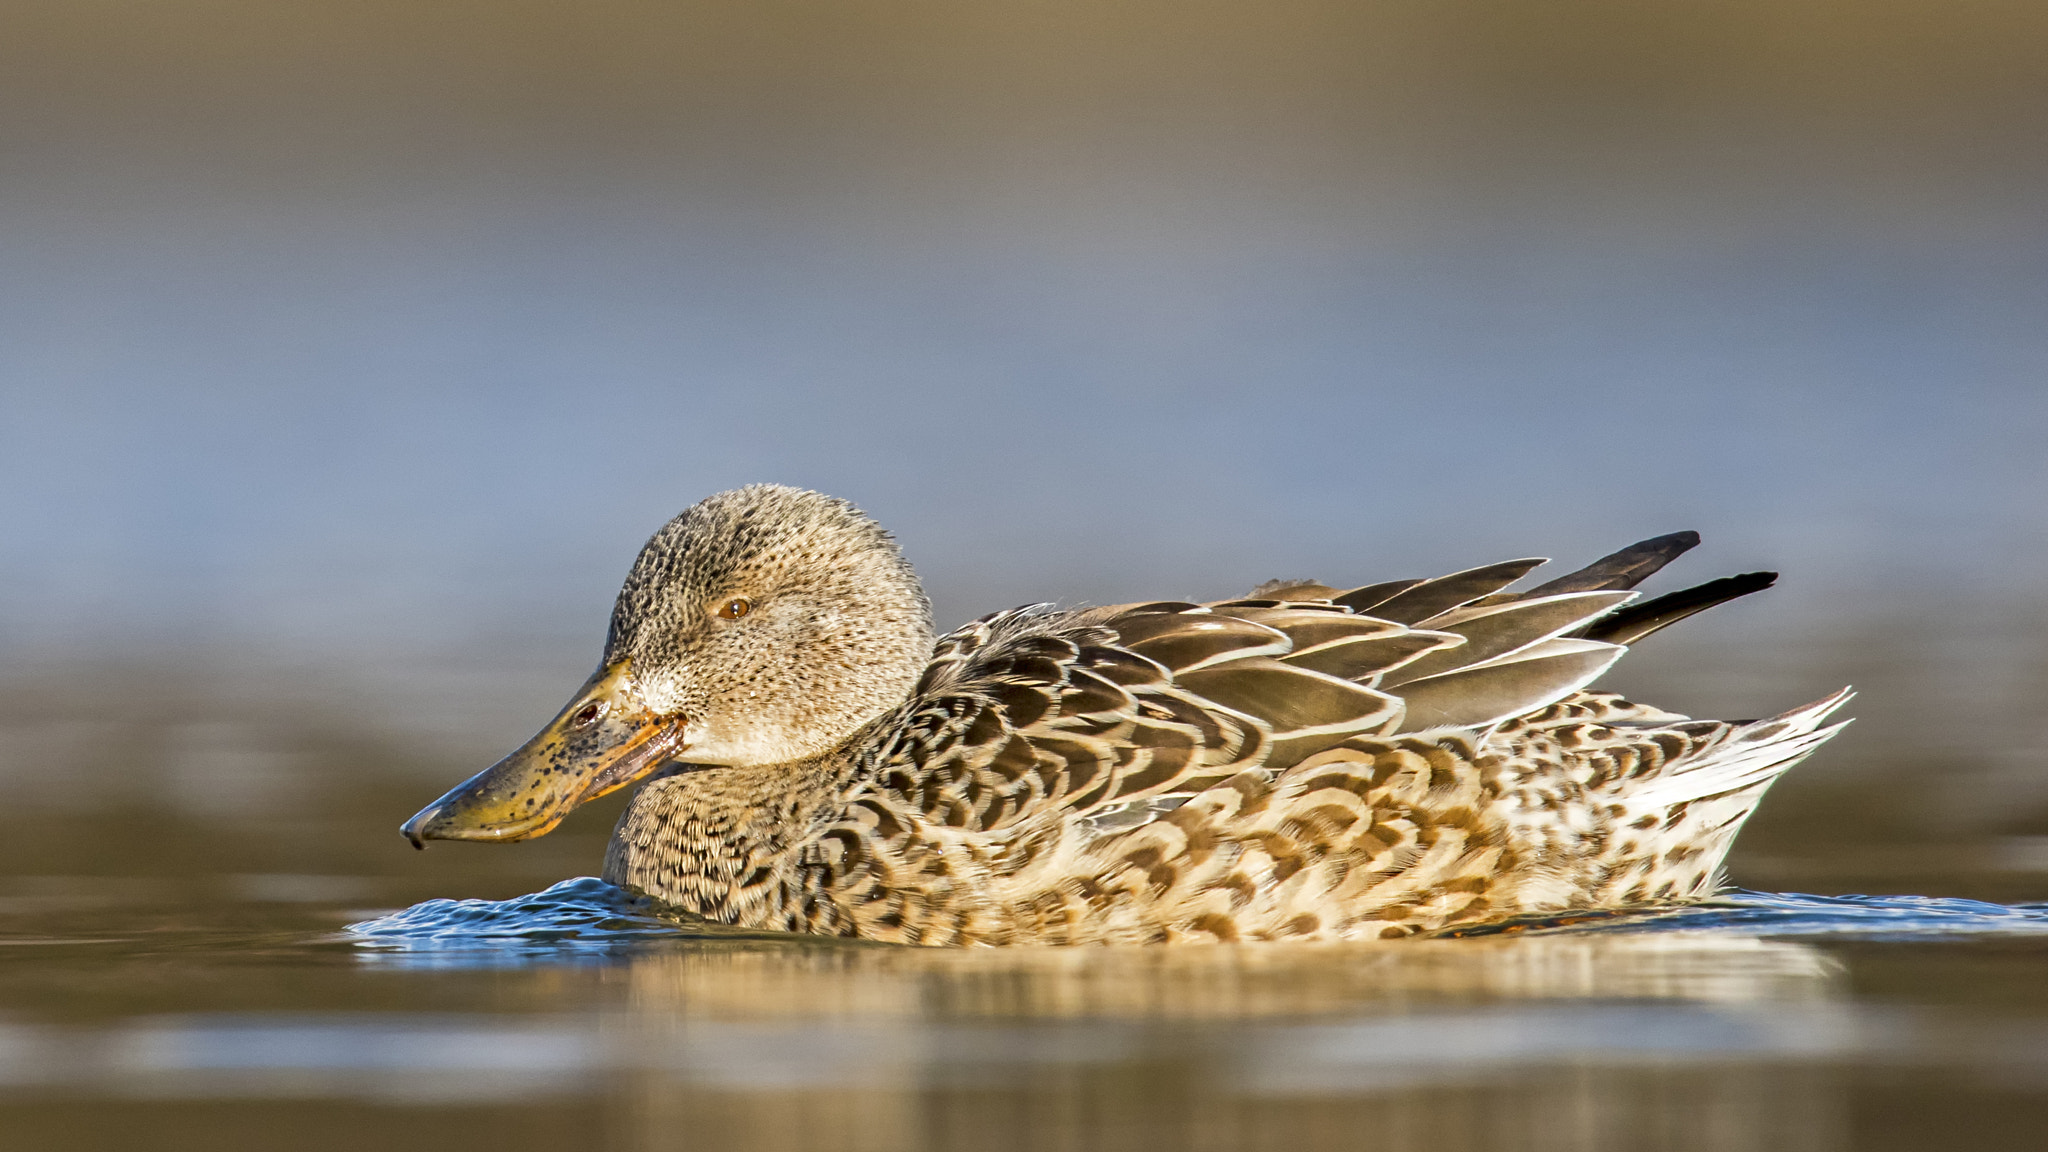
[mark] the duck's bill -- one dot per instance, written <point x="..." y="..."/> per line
<point x="604" y="740"/>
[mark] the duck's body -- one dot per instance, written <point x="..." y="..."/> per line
<point x="986" y="812"/>
<point x="1305" y="763"/>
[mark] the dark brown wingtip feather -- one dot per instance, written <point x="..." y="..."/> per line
<point x="1623" y="570"/>
<point x="1637" y="621"/>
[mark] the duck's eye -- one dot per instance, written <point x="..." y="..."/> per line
<point x="587" y="715"/>
<point x="735" y="608"/>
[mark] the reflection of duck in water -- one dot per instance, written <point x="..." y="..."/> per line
<point x="1305" y="762"/>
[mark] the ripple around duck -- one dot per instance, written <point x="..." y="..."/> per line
<point x="585" y="917"/>
<point x="580" y="916"/>
<point x="1784" y="915"/>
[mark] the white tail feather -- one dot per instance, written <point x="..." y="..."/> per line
<point x="1750" y="758"/>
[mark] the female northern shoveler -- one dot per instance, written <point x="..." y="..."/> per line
<point x="1304" y="762"/>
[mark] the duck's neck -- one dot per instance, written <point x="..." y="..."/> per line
<point x="726" y="843"/>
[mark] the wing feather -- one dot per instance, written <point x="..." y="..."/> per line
<point x="1638" y="621"/>
<point x="1183" y="641"/>
<point x="1370" y="656"/>
<point x="1622" y="570"/>
<point x="1372" y="595"/>
<point x="1503" y="629"/>
<point x="1498" y="690"/>
<point x="1118" y="715"/>
<point x="1430" y="597"/>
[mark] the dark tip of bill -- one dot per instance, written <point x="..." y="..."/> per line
<point x="411" y="829"/>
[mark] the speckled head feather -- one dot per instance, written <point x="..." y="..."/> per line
<point x="834" y="632"/>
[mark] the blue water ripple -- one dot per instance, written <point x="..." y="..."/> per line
<point x="583" y="913"/>
<point x="1795" y="914"/>
<point x="586" y="918"/>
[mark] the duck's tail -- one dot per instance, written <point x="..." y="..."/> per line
<point x="1687" y="815"/>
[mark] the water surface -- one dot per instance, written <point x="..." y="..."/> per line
<point x="577" y="1017"/>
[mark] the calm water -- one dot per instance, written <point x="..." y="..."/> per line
<point x="575" y="1018"/>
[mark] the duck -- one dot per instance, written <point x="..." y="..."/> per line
<point x="1305" y="762"/>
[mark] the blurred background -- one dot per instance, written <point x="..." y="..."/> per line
<point x="350" y="350"/>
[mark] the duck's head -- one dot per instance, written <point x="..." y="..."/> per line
<point x="763" y="626"/>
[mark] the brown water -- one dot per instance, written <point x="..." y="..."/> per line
<point x="246" y="1021"/>
<point x="176" y="972"/>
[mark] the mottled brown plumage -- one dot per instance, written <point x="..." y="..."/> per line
<point x="1305" y="763"/>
